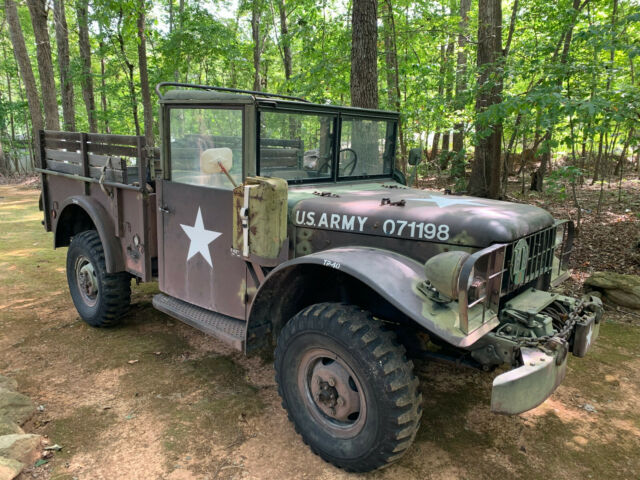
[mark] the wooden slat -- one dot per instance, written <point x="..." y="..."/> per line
<point x="117" y="163"/>
<point x="66" y="144"/>
<point x="111" y="175"/>
<point x="279" y="152"/>
<point x="54" y="134"/>
<point x="276" y="142"/>
<point x="112" y="139"/>
<point x="105" y="149"/>
<point x="278" y="162"/>
<point x="58" y="166"/>
<point x="63" y="156"/>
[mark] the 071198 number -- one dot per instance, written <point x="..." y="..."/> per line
<point x="428" y="231"/>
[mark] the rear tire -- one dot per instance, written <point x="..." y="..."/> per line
<point x="101" y="298"/>
<point x="347" y="387"/>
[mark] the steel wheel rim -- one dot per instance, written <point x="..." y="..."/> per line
<point x="332" y="392"/>
<point x="87" y="280"/>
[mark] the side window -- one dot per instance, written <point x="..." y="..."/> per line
<point x="204" y="142"/>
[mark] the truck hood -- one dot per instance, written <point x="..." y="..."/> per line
<point x="393" y="210"/>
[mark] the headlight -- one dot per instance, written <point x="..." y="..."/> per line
<point x="443" y="271"/>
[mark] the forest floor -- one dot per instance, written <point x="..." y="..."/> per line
<point x="156" y="399"/>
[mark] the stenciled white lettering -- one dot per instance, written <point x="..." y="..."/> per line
<point x="323" y="221"/>
<point x="348" y="222"/>
<point x="311" y="218"/>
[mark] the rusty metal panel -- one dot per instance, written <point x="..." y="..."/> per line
<point x="198" y="264"/>
<point x="128" y="222"/>
<point x="265" y="217"/>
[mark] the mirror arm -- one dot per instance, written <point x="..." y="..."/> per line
<point x="224" y="170"/>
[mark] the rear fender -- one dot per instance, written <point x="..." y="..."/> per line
<point x="103" y="224"/>
<point x="391" y="275"/>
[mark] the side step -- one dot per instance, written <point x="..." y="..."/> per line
<point x="220" y="326"/>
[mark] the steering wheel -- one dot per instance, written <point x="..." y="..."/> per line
<point x="350" y="164"/>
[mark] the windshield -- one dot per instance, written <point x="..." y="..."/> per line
<point x="296" y="146"/>
<point x="299" y="147"/>
<point x="367" y="147"/>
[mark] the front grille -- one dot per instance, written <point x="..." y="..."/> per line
<point x="540" y="259"/>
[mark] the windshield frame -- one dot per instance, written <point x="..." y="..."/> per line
<point x="337" y="113"/>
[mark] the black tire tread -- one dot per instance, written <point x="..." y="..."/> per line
<point x="116" y="287"/>
<point x="358" y="328"/>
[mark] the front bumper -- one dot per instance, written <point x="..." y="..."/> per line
<point x="543" y="368"/>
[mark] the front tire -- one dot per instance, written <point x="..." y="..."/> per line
<point x="347" y="386"/>
<point x="101" y="298"/>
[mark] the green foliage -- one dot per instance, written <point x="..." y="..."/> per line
<point x="593" y="90"/>
<point x="561" y="178"/>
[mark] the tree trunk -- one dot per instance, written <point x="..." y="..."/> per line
<point x="255" y="35"/>
<point x="85" y="55"/>
<point x="364" y="54"/>
<point x="10" y="95"/>
<point x="144" y="77"/>
<point x="66" y="84"/>
<point x="485" y="177"/>
<point x="538" y="176"/>
<point x="103" y="89"/>
<point x="286" y="44"/>
<point x="393" y="77"/>
<point x="24" y="65"/>
<point x="461" y="76"/>
<point x="449" y="83"/>
<point x="39" y="13"/>
<point x="130" y="79"/>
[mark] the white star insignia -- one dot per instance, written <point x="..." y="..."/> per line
<point x="200" y="238"/>
<point x="589" y="335"/>
<point x="448" y="201"/>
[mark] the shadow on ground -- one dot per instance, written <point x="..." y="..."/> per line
<point x="154" y="399"/>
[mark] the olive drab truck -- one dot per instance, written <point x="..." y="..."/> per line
<point x="273" y="223"/>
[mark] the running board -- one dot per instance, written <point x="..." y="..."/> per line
<point x="220" y="326"/>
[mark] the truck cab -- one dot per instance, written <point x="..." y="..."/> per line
<point x="274" y="223"/>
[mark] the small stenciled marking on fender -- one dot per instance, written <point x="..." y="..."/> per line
<point x="331" y="263"/>
<point x="235" y="252"/>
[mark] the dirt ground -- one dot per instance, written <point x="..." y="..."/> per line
<point x="156" y="399"/>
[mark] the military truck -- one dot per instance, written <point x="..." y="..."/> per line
<point x="273" y="223"/>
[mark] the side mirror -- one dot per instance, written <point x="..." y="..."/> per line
<point x="415" y="156"/>
<point x="212" y="158"/>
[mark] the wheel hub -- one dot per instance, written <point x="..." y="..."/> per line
<point x="334" y="391"/>
<point x="87" y="280"/>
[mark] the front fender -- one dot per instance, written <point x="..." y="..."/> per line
<point x="395" y="278"/>
<point x="103" y="222"/>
